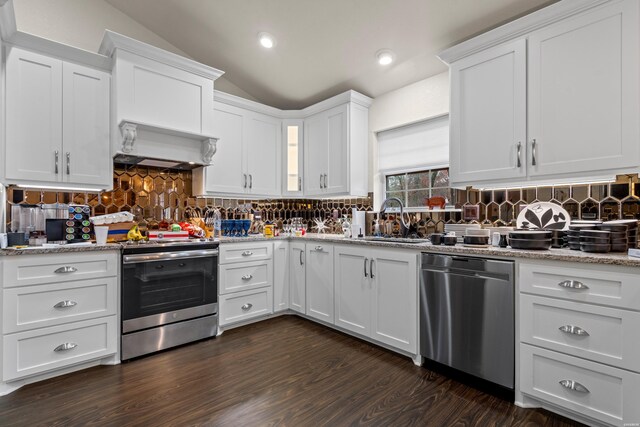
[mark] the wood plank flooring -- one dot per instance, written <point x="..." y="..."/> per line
<point x="284" y="371"/>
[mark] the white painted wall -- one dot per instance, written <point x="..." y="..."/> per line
<point x="81" y="23"/>
<point x="413" y="103"/>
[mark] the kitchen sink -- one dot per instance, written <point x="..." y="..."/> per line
<point x="396" y="240"/>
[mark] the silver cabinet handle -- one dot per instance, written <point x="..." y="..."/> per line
<point x="321" y="181"/>
<point x="533" y="153"/>
<point x="247" y="306"/>
<point x="247" y="277"/>
<point x="325" y="180"/>
<point x="301" y="261"/>
<point x="371" y="269"/>
<point x="66" y="269"/>
<point x="572" y="284"/>
<point x="245" y="180"/>
<point x="574" y="385"/>
<point x="65" y="304"/>
<point x="300" y="183"/>
<point x="68" y="163"/>
<point x="519" y="162"/>
<point x="247" y="253"/>
<point x="365" y="267"/>
<point x="318" y="248"/>
<point x="250" y="181"/>
<point x="574" y="330"/>
<point x="56" y="156"/>
<point x="65" y="347"/>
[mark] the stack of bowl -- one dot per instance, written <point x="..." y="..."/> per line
<point x="530" y="239"/>
<point x="476" y="237"/>
<point x="632" y="230"/>
<point x="558" y="239"/>
<point x="595" y="241"/>
<point x="573" y="235"/>
<point x="618" y="233"/>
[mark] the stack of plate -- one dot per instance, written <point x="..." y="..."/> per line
<point x="618" y="233"/>
<point x="632" y="230"/>
<point x="558" y="238"/>
<point x="573" y="235"/>
<point x="476" y="237"/>
<point x="459" y="229"/>
<point x="595" y="241"/>
<point x="530" y="239"/>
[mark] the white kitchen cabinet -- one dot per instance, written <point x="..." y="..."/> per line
<point x="280" y="275"/>
<point x="319" y="281"/>
<point x="488" y="115"/>
<point x="247" y="161"/>
<point x="335" y="143"/>
<point x="57" y="122"/>
<point x="297" y="277"/>
<point x="377" y="294"/>
<point x="544" y="99"/>
<point x="583" y="93"/>
<point x="292" y="131"/>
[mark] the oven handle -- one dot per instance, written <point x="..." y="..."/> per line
<point x="167" y="256"/>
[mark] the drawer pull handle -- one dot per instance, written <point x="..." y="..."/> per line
<point x="247" y="253"/>
<point x="573" y="284"/>
<point x="574" y="330"/>
<point x="66" y="269"/>
<point x="319" y="248"/>
<point x="247" y="306"/>
<point x="247" y="277"/>
<point x="65" y="347"/>
<point x="574" y="385"/>
<point x="65" y="304"/>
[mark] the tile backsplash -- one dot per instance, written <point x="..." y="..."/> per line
<point x="166" y="194"/>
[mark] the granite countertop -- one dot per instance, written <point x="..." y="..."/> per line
<point x="621" y="259"/>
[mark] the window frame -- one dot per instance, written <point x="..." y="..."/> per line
<point x="405" y="190"/>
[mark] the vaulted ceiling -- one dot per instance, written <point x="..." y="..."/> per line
<point x="324" y="47"/>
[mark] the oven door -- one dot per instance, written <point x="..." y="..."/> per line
<point x="168" y="287"/>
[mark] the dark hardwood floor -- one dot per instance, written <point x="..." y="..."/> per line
<point x="284" y="371"/>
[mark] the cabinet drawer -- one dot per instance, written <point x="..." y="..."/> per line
<point x="606" y="335"/>
<point x="242" y="252"/>
<point x="51" y="268"/>
<point x="609" y="394"/>
<point x="246" y="275"/>
<point x="245" y="305"/>
<point x="598" y="284"/>
<point x="39" y="306"/>
<point x="33" y="352"/>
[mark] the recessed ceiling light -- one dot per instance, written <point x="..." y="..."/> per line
<point x="266" y="40"/>
<point x="385" y="56"/>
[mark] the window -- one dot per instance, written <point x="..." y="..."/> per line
<point x="414" y="187"/>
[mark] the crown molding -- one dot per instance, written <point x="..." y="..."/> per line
<point x="247" y="104"/>
<point x="112" y="41"/>
<point x="7" y="20"/>
<point x="519" y="28"/>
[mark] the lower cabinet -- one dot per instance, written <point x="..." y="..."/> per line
<point x="297" y="277"/>
<point x="245" y="305"/>
<point x="376" y="294"/>
<point x="319" y="281"/>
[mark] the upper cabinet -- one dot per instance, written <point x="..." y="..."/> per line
<point x="560" y="101"/>
<point x="321" y="151"/>
<point x="57" y="122"/>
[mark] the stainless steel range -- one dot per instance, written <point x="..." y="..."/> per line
<point x="169" y="295"/>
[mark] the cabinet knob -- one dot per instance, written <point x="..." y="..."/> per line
<point x="572" y="284"/>
<point x="247" y="306"/>
<point x="65" y="270"/>
<point x="247" y="277"/>
<point x="65" y="347"/>
<point x="574" y="385"/>
<point x="65" y="304"/>
<point x="574" y="330"/>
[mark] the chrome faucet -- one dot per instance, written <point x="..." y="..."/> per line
<point x="404" y="226"/>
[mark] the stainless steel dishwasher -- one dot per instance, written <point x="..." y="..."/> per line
<point x="467" y="315"/>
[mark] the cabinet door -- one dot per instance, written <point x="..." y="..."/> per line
<point x="583" y="92"/>
<point x="262" y="150"/>
<point x="33" y="116"/>
<point x="280" y="276"/>
<point x="292" y="157"/>
<point x="319" y="290"/>
<point x="316" y="136"/>
<point x="85" y="126"/>
<point x="488" y="113"/>
<point x="297" y="282"/>
<point x="337" y="173"/>
<point x="225" y="175"/>
<point x="352" y="289"/>
<point x="395" y="298"/>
